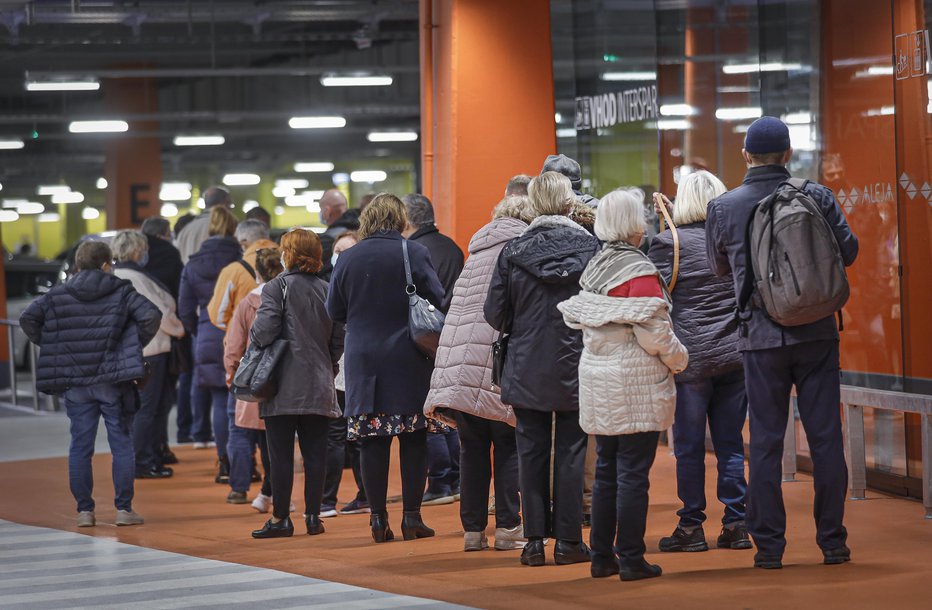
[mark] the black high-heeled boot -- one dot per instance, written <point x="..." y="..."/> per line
<point x="412" y="526"/>
<point x="381" y="532"/>
<point x="282" y="529"/>
<point x="314" y="525"/>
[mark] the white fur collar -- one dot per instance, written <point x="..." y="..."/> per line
<point x="554" y="221"/>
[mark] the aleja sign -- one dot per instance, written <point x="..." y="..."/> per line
<point x="610" y="109"/>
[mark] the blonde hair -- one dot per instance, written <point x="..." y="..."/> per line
<point x="551" y="194"/>
<point x="514" y="206"/>
<point x="693" y="195"/>
<point x="620" y="215"/>
<point x="385" y="213"/>
<point x="128" y="245"/>
<point x="222" y="222"/>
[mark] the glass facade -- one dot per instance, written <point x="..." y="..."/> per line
<point x="649" y="89"/>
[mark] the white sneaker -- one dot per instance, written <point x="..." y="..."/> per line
<point x="129" y="517"/>
<point x="86" y="518"/>
<point x="510" y="539"/>
<point x="475" y="541"/>
<point x="263" y="504"/>
<point x="199" y="445"/>
<point x="330" y="511"/>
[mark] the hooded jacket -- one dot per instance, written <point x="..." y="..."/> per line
<point x="534" y="273"/>
<point x="462" y="377"/>
<point x="703" y="304"/>
<point x="197" y="287"/>
<point x="234" y="283"/>
<point x="91" y="330"/>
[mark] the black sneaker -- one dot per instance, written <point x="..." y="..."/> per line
<point x="734" y="538"/>
<point x="680" y="541"/>
<point x="768" y="562"/>
<point x="835" y="556"/>
<point x="237" y="497"/>
<point x="223" y="471"/>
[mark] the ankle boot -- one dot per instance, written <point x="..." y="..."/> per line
<point x="380" y="530"/>
<point x="282" y="529"/>
<point x="314" y="525"/>
<point x="412" y="526"/>
<point x="223" y="470"/>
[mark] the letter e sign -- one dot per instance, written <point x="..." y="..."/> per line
<point x="135" y="190"/>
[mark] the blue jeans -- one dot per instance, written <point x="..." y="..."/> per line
<point x="241" y="449"/>
<point x="85" y="406"/>
<point x="201" y="406"/>
<point x="218" y="399"/>
<point x="185" y="416"/>
<point x="723" y="401"/>
<point x="443" y="463"/>
<point x="155" y="402"/>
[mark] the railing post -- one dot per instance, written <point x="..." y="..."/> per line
<point x="789" y="445"/>
<point x="926" y="423"/>
<point x="854" y="439"/>
<point x="11" y="344"/>
<point x="32" y="367"/>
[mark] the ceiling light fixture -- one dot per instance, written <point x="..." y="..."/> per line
<point x="392" y="136"/>
<point x="369" y="176"/>
<point x="316" y="122"/>
<point x="566" y="132"/>
<point x="355" y="80"/>
<point x="30" y="207"/>
<point x="629" y="76"/>
<point x="295" y="183"/>
<point x="11" y="144"/>
<point x="738" y="114"/>
<point x="49" y="217"/>
<point x="773" y="66"/>
<point x="69" y="197"/>
<point x="313" y="166"/>
<point x="250" y="204"/>
<point x="86" y="84"/>
<point x="673" y="124"/>
<point x="241" y="179"/>
<point x="283" y="191"/>
<point x="8" y="216"/>
<point x="205" y="140"/>
<point x="53" y="189"/>
<point x="101" y="183"/>
<point x="169" y="210"/>
<point x="175" y="191"/>
<point x="14" y="203"/>
<point x="109" y="126"/>
<point x="90" y="213"/>
<point x="678" y="110"/>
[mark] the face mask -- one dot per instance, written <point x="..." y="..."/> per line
<point x="144" y="260"/>
<point x="284" y="266"/>
<point x="333" y="259"/>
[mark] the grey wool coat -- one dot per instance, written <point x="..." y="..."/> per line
<point x="315" y="344"/>
<point x="462" y="378"/>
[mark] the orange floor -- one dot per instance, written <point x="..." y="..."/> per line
<point x="891" y="544"/>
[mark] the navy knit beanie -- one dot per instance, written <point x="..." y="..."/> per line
<point x="767" y="135"/>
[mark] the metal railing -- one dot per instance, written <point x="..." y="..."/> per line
<point x="31" y="354"/>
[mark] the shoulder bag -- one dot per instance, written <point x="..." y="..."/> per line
<point x="676" y="245"/>
<point x="500" y="345"/>
<point x="254" y="380"/>
<point x="424" y="320"/>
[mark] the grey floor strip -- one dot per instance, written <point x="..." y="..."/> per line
<point x="42" y="568"/>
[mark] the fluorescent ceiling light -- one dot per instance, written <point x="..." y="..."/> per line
<point x="283" y="191"/>
<point x="211" y="140"/>
<point x="11" y="144"/>
<point x="14" y="203"/>
<point x="882" y="111"/>
<point x="305" y="199"/>
<point x="279" y="210"/>
<point x="175" y="191"/>
<point x="678" y="110"/>
<point x="90" y="213"/>
<point x="797" y="118"/>
<point x="773" y="66"/>
<point x="241" y="179"/>
<point x="101" y="183"/>
<point x="316" y="122"/>
<point x="392" y="136"/>
<point x="49" y="217"/>
<point x="369" y="176"/>
<point x="738" y="114"/>
<point x="313" y="166"/>
<point x="673" y="124"/>
<point x="98" y="126"/>
<point x="53" y="189"/>
<point x="250" y="204"/>
<point x="739" y="89"/>
<point x="566" y="132"/>
<point x="313" y="207"/>
<point x="557" y="118"/>
<point x="356" y="80"/>
<point x="169" y="210"/>
<point x="880" y="70"/>
<point x="30" y="207"/>
<point x="69" y="197"/>
<point x="295" y="183"/>
<point x="8" y="216"/>
<point x="87" y="84"/>
<point x="340" y="178"/>
<point x="628" y="76"/>
<point x="200" y="203"/>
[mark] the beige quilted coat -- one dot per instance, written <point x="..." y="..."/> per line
<point x="462" y="377"/>
<point x="629" y="357"/>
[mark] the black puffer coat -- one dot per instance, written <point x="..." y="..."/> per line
<point x="535" y="272"/>
<point x="91" y="330"/>
<point x="703" y="304"/>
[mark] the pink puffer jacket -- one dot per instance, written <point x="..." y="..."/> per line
<point x="462" y="378"/>
<point x="234" y="346"/>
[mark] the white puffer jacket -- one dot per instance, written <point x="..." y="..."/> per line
<point x="629" y="357"/>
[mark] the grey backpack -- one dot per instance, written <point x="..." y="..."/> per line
<point x="794" y="260"/>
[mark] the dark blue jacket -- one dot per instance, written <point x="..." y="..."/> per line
<point x="446" y="257"/>
<point x="91" y="330"/>
<point x="385" y="372"/>
<point x="726" y="243"/>
<point x="197" y="287"/>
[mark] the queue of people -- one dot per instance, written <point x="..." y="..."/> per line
<point x="568" y="347"/>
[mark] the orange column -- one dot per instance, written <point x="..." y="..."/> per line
<point x="133" y="162"/>
<point x="489" y="104"/>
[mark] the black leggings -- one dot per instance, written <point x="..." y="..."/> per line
<point x="376" y="452"/>
<point x="312" y="438"/>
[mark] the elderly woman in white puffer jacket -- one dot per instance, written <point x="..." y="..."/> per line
<point x="626" y="389"/>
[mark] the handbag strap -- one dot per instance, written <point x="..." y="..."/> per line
<point x="505" y="327"/>
<point x="410" y="288"/>
<point x="676" y="246"/>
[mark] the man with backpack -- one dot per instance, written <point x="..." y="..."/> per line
<point x="786" y="243"/>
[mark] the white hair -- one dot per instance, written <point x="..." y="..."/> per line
<point x="693" y="195"/>
<point x="128" y="245"/>
<point x="620" y="215"/>
<point x="252" y="230"/>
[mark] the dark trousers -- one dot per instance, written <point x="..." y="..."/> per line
<point x="266" y="463"/>
<point x="443" y="463"/>
<point x="221" y="423"/>
<point x="184" y="417"/>
<point x="312" y="438"/>
<point x="155" y="400"/>
<point x="814" y="369"/>
<point x="479" y="437"/>
<point x="620" y="495"/>
<point x="376" y="452"/>
<point x="723" y="402"/>
<point x="534" y="432"/>
<point x="337" y="448"/>
<point x="201" y="406"/>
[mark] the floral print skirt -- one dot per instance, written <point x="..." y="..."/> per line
<point x="379" y="424"/>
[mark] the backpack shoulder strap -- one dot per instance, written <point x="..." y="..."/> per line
<point x="799" y="184"/>
<point x="247" y="267"/>
<point x="676" y="246"/>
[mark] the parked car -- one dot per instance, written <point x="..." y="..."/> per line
<point x="26" y="278"/>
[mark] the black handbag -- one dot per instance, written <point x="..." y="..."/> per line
<point x="425" y="321"/>
<point x="179" y="358"/>
<point x="255" y="380"/>
<point x="500" y="345"/>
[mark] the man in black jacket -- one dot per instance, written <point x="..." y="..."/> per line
<point x="164" y="258"/>
<point x="339" y="220"/>
<point x="91" y="331"/>
<point x="778" y="357"/>
<point x="443" y="447"/>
